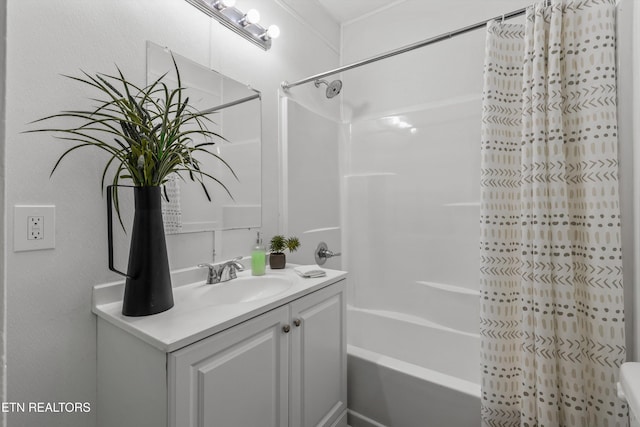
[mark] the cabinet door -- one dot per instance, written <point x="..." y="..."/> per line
<point x="318" y="391"/>
<point x="238" y="377"/>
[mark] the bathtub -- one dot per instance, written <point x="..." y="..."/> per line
<point x="405" y="371"/>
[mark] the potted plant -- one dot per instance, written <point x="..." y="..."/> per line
<point x="149" y="133"/>
<point x="277" y="258"/>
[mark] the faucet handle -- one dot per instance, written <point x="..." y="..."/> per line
<point x="323" y="253"/>
<point x="236" y="262"/>
<point x="208" y="265"/>
<point x="212" y="277"/>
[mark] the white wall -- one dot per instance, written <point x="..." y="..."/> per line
<point x="310" y="133"/>
<point x="50" y="329"/>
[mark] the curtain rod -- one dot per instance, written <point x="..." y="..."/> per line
<point x="286" y="85"/>
<point x="231" y="104"/>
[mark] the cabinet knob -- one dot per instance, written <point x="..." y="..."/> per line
<point x="297" y="322"/>
<point x="286" y="329"/>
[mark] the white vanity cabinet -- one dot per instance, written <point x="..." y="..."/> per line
<point x="318" y="383"/>
<point x="238" y="377"/>
<point x="285" y="367"/>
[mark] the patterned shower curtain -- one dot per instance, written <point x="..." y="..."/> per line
<point x="552" y="321"/>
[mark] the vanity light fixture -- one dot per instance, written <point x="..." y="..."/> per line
<point x="223" y="4"/>
<point x="244" y="24"/>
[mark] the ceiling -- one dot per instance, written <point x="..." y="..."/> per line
<point x="347" y="10"/>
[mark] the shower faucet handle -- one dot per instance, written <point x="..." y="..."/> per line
<point x="323" y="253"/>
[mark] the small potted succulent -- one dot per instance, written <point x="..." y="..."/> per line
<point x="279" y="243"/>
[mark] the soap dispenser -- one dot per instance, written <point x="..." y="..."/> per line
<point x="258" y="258"/>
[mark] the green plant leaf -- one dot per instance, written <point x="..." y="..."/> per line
<point x="293" y="243"/>
<point x="130" y="122"/>
<point x="277" y="244"/>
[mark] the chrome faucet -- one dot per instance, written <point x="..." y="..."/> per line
<point x="222" y="272"/>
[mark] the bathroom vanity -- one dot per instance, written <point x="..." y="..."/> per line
<point x="254" y="351"/>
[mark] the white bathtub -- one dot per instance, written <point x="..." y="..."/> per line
<point x="404" y="371"/>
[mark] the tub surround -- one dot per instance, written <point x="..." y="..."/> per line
<point x="403" y="370"/>
<point x="268" y="350"/>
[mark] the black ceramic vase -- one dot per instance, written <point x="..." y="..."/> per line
<point x="148" y="279"/>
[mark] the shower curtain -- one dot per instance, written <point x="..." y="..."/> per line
<point x="552" y="322"/>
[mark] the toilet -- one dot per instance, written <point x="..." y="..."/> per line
<point x="629" y="390"/>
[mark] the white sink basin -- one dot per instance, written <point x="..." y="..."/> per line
<point x="240" y="290"/>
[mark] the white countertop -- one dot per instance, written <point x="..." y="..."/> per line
<point x="190" y="321"/>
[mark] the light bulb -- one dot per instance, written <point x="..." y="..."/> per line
<point x="273" y="31"/>
<point x="251" y="17"/>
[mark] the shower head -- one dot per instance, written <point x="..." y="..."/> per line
<point x="333" y="88"/>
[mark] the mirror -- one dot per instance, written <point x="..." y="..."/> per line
<point x="237" y="117"/>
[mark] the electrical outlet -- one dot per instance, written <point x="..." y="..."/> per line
<point x="33" y="228"/>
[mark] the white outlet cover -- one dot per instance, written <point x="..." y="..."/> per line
<point x="20" y="227"/>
